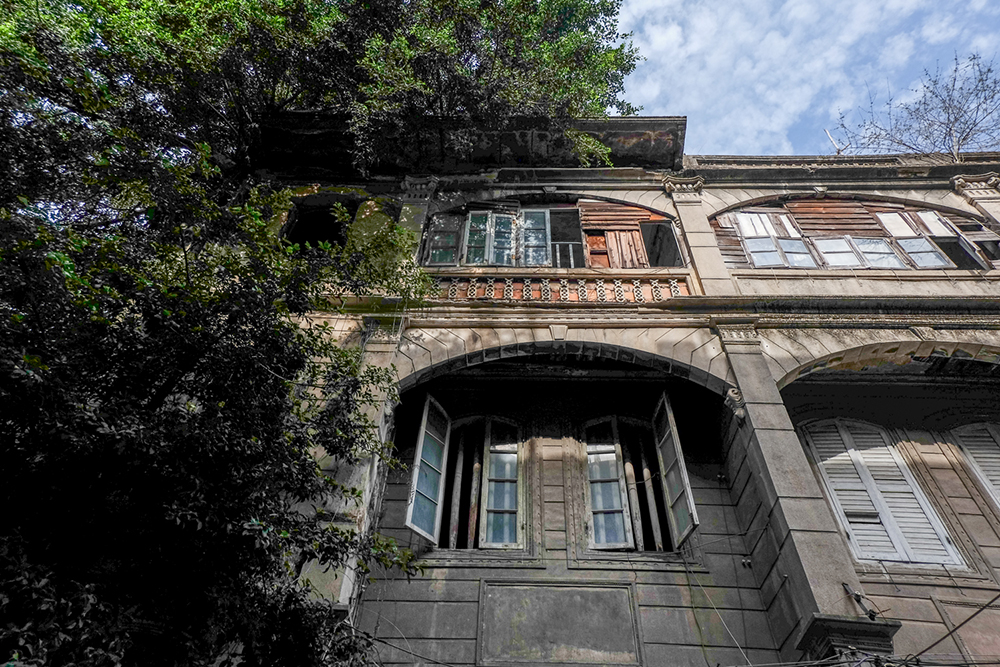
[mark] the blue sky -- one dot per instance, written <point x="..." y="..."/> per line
<point x="766" y="77"/>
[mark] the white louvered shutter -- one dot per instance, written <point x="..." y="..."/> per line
<point x="915" y="520"/>
<point x="886" y="513"/>
<point x="981" y="443"/>
<point x="857" y="509"/>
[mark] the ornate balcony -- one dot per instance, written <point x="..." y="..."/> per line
<point x="563" y="286"/>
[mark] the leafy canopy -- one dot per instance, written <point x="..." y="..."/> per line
<point x="167" y="380"/>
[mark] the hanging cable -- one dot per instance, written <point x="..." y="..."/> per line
<point x="415" y="655"/>
<point x="707" y="597"/>
<point x="953" y="630"/>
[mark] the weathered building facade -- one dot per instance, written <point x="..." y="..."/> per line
<point x="695" y="410"/>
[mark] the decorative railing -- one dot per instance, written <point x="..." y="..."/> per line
<point x="572" y="288"/>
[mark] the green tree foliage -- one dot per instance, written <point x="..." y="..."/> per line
<point x="163" y="394"/>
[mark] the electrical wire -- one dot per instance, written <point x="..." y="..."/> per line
<point x="953" y="630"/>
<point x="415" y="655"/>
<point x="707" y="597"/>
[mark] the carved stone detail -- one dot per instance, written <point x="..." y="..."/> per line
<point x="508" y="289"/>
<point x="545" y="293"/>
<point x="978" y="186"/>
<point x="526" y="290"/>
<point x="490" y="292"/>
<point x="619" y="292"/>
<point x="564" y="289"/>
<point x="737" y="333"/>
<point x="637" y="294"/>
<point x="599" y="288"/>
<point x="418" y="189"/>
<point x="734" y="401"/>
<point x="684" y="190"/>
<point x="581" y="290"/>
<point x="473" y="286"/>
<point x="656" y="289"/>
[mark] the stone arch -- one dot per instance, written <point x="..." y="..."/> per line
<point x="756" y="198"/>
<point x="795" y="353"/>
<point x="695" y="354"/>
<point x="654" y="201"/>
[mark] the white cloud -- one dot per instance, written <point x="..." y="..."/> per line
<point x="766" y="77"/>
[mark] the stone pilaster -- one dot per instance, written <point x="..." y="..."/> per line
<point x="798" y="555"/>
<point x="706" y="258"/>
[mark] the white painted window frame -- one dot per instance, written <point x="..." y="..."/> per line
<point x="417" y="463"/>
<point x="992" y="491"/>
<point x="623" y="489"/>
<point x="522" y="492"/>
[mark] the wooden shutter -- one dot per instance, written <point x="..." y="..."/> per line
<point x="851" y="493"/>
<point x="423" y="510"/>
<point x="677" y="496"/>
<point x="887" y="515"/>
<point x="981" y="443"/>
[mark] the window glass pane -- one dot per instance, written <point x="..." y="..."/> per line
<point x="837" y="252"/>
<point x="790" y="228"/>
<point x="750" y="225"/>
<point x="433" y="450"/>
<point x="534" y="237"/>
<point x="682" y="514"/>
<point x="535" y="256"/>
<point x="603" y="466"/>
<point x="661" y="421"/>
<point x="760" y="245"/>
<point x="609" y="528"/>
<point x="766" y="259"/>
<point x="923" y="253"/>
<point x="502" y="496"/>
<point x="437" y="423"/>
<point x="477" y="237"/>
<point x="503" y="257"/>
<point x="424" y="513"/>
<point x="796" y="253"/>
<point x="879" y="253"/>
<point x="675" y="484"/>
<point x="534" y="220"/>
<point x="475" y="255"/>
<point x="501" y="527"/>
<point x="605" y="496"/>
<point x="503" y="466"/>
<point x="428" y="482"/>
<point x="443" y="255"/>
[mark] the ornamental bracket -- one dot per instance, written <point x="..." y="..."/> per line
<point x="978" y="187"/>
<point x="684" y="190"/>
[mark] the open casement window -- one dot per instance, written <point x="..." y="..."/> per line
<point x="770" y="239"/>
<point x="681" y="511"/>
<point x="981" y="445"/>
<point x="885" y="513"/>
<point x="567" y="238"/>
<point x="501" y="518"/>
<point x="638" y="494"/>
<point x="911" y="231"/>
<point x="469" y="489"/>
<point x="490" y="239"/>
<point x="423" y="513"/>
<point x="607" y="496"/>
<point x="444" y="240"/>
<point x="851" y="252"/>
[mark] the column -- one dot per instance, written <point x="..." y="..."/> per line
<point x="706" y="258"/>
<point x="797" y="553"/>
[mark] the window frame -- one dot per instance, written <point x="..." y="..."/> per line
<point x="913" y="225"/>
<point x="418" y="462"/>
<point x="764" y="227"/>
<point x="652" y="450"/>
<point x="993" y="491"/>
<point x="589" y="524"/>
<point x="903" y="550"/>
<point x="522" y="492"/>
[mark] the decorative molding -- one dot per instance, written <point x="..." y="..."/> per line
<point x="419" y="189"/>
<point x="736" y="331"/>
<point x="735" y="402"/>
<point x="684" y="190"/>
<point x="977" y="187"/>
<point x="830" y="636"/>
